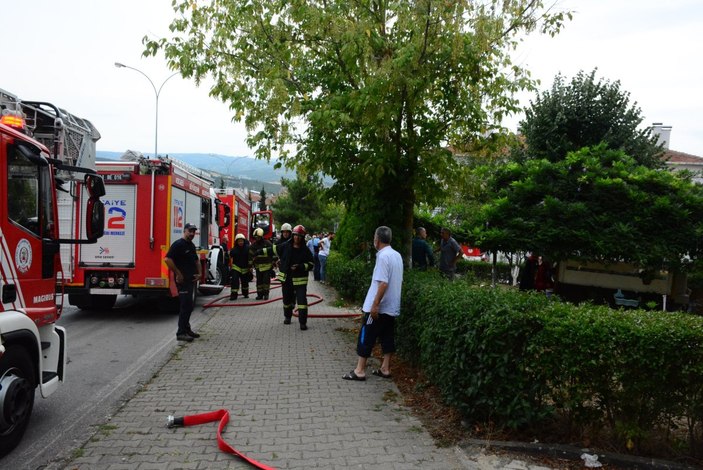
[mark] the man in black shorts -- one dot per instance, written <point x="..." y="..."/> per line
<point x="381" y="307"/>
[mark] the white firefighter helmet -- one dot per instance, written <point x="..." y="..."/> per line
<point x="286" y="227"/>
<point x="259" y="232"/>
<point x="239" y="237"/>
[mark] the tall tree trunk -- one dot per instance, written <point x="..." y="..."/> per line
<point x="408" y="219"/>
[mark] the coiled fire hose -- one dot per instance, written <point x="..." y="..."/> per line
<point x="223" y="416"/>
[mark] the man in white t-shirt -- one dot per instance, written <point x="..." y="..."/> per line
<point x="380" y="308"/>
<point x="324" y="252"/>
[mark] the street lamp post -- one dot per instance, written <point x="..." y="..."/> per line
<point x="156" y="93"/>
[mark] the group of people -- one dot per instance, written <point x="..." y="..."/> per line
<point x="319" y="245"/>
<point x="292" y="258"/>
<point x="537" y="274"/>
<point x="449" y="252"/>
<point x="293" y="255"/>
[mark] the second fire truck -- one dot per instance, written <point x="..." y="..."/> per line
<point x="242" y="220"/>
<point x="148" y="202"/>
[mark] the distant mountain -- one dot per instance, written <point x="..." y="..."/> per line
<point x="236" y="171"/>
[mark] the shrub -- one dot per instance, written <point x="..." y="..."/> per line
<point x="351" y="278"/>
<point x="474" y="345"/>
<point x="516" y="359"/>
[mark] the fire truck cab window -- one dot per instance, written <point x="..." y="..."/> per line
<point x="262" y="221"/>
<point x="29" y="202"/>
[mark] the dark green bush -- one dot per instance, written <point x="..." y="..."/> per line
<point x="351" y="278"/>
<point x="516" y="359"/>
<point x="473" y="344"/>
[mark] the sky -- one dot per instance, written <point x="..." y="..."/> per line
<point x="63" y="51"/>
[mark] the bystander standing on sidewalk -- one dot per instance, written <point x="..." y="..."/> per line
<point x="450" y="252"/>
<point x="314" y="247"/>
<point x="381" y="307"/>
<point x="421" y="251"/>
<point x="182" y="259"/>
<point x="544" y="281"/>
<point x="325" y="245"/>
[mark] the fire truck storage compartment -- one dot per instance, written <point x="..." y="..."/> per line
<point x="116" y="247"/>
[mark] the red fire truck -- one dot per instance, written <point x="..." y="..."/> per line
<point x="242" y="219"/>
<point x="41" y="148"/>
<point x="239" y="206"/>
<point x="147" y="204"/>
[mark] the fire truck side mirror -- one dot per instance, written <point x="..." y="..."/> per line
<point x="95" y="218"/>
<point x="95" y="185"/>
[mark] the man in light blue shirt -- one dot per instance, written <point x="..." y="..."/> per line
<point x="381" y="307"/>
<point x="314" y="247"/>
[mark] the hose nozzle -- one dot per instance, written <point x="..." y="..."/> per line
<point x="172" y="421"/>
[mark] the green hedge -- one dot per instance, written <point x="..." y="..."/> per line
<point x="351" y="278"/>
<point x="518" y="359"/>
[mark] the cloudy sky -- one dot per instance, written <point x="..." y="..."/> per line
<point x="63" y="51"/>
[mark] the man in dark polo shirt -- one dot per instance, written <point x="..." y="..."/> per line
<point x="182" y="259"/>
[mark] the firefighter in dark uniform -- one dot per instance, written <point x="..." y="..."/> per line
<point x="286" y="234"/>
<point x="261" y="258"/>
<point x="295" y="263"/>
<point x="241" y="271"/>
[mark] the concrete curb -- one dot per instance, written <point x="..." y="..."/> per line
<point x="574" y="453"/>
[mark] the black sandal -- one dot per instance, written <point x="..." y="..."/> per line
<point x="378" y="373"/>
<point x="352" y="376"/>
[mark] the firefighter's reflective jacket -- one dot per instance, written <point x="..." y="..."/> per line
<point x="261" y="255"/>
<point x="295" y="262"/>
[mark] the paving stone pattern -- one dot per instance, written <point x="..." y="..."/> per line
<point x="289" y="407"/>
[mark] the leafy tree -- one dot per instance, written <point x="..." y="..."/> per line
<point x="262" y="201"/>
<point x="305" y="202"/>
<point x="369" y="91"/>
<point x="596" y="204"/>
<point x="584" y="113"/>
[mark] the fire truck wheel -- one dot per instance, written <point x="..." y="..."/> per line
<point x="17" y="383"/>
<point x="220" y="276"/>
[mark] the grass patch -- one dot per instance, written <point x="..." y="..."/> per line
<point x="106" y="429"/>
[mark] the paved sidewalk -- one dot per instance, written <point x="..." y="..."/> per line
<point x="289" y="406"/>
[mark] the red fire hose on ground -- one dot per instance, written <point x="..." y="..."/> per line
<point x="223" y="416"/>
<point x="218" y="303"/>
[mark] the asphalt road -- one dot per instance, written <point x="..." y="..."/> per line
<point x="110" y="355"/>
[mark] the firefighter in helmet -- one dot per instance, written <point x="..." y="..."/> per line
<point x="241" y="271"/>
<point x="261" y="258"/>
<point x="295" y="262"/>
<point x="286" y="232"/>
